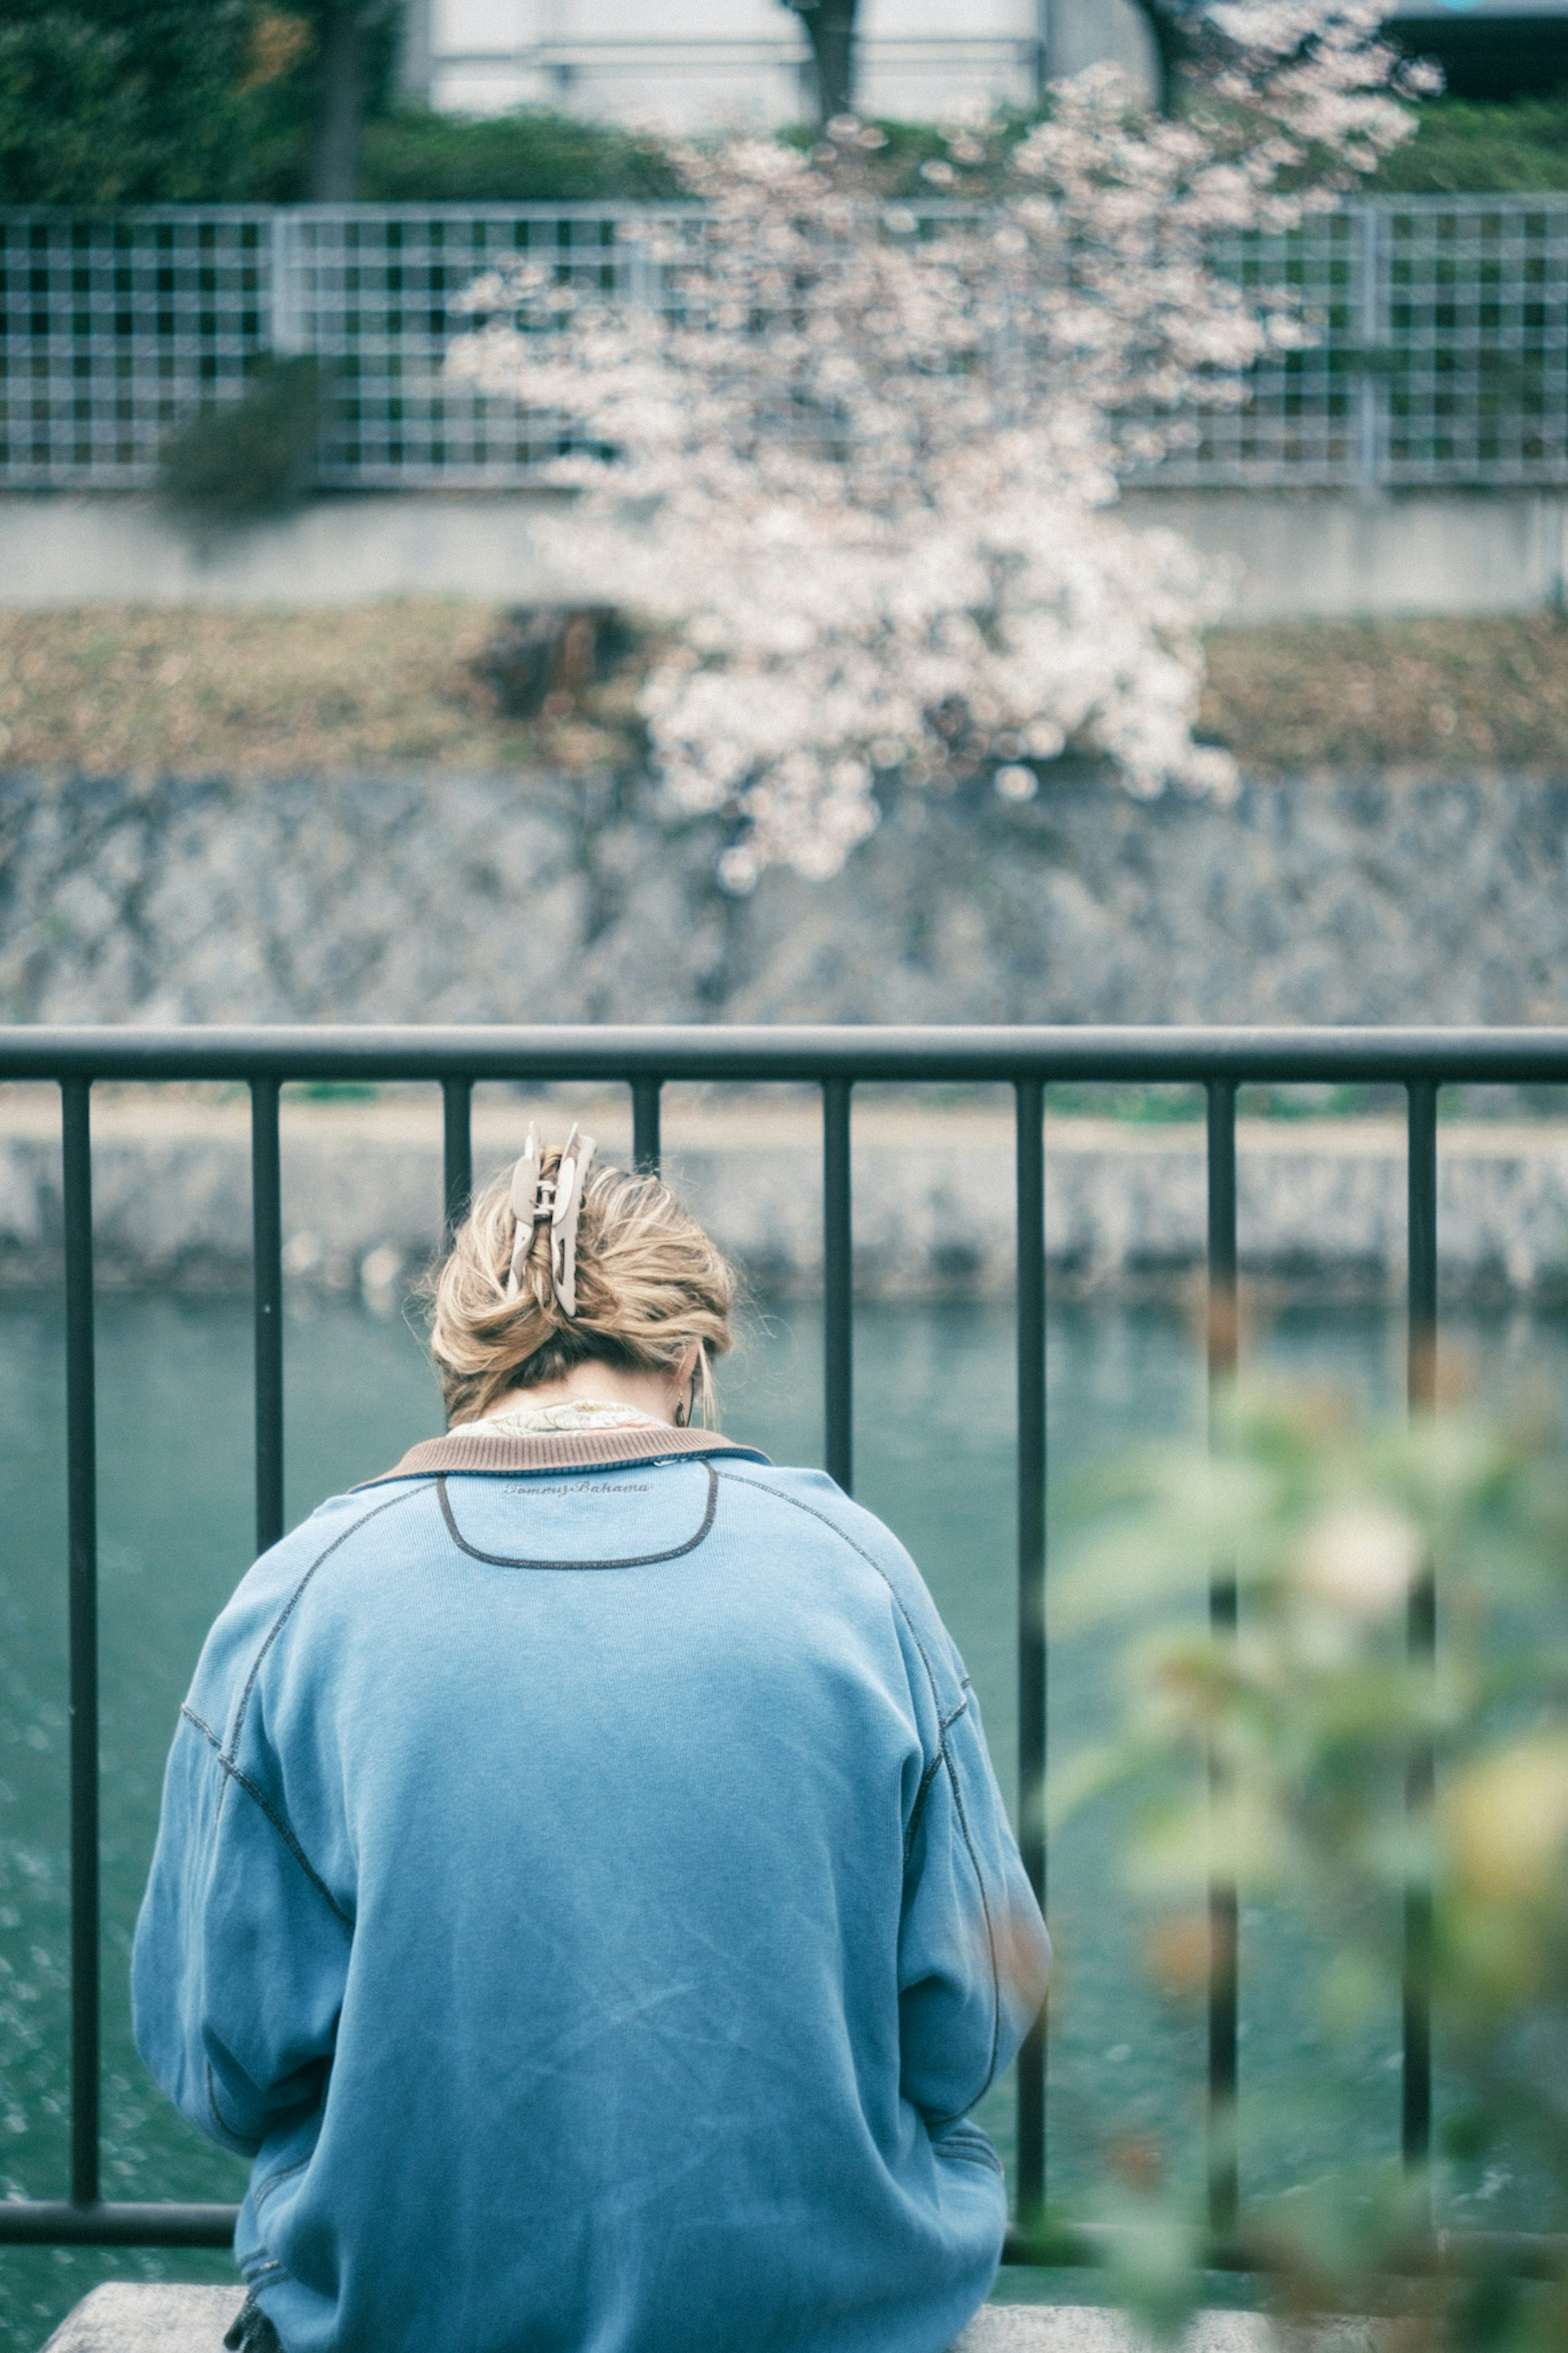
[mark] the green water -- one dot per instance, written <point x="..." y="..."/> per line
<point x="934" y="1457"/>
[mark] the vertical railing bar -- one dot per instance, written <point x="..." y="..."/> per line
<point x="1224" y="1989"/>
<point x="457" y="1153"/>
<point x="1421" y="1375"/>
<point x="1371" y="392"/>
<point x="838" y="1284"/>
<point x="1030" y="1167"/>
<point x="82" y="1478"/>
<point x="646" y="1152"/>
<point x="267" y="1252"/>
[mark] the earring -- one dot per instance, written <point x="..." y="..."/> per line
<point x="682" y="1413"/>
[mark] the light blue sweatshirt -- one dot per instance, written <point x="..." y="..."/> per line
<point x="583" y="1888"/>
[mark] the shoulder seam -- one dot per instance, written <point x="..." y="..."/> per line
<point x="232" y="1749"/>
<point x="280" y="1821"/>
<point x="990" y="1925"/>
<point x="917" y="1810"/>
<point x="875" y="1565"/>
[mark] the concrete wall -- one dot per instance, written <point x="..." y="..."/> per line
<point x="1302" y="554"/>
<point x="1125" y="1206"/>
<point x="1288" y="554"/>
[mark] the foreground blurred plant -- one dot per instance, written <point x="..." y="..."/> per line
<point x="880" y="449"/>
<point x="1276" y="1759"/>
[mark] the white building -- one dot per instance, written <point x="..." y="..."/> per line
<point x="701" y="64"/>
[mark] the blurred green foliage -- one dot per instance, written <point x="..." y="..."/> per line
<point x="1461" y="146"/>
<point x="110" y="102"/>
<point x="243" y="459"/>
<point x="530" y="156"/>
<point x="1275" y="1760"/>
<point x="120" y="101"/>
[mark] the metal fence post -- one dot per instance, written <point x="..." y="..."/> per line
<point x="81" y="1479"/>
<point x="1372" y="312"/>
<point x="267" y="1251"/>
<point x="1225" y="1910"/>
<point x="1029" y="1179"/>
<point x="1415" y="2096"/>
<point x="645" y="1125"/>
<point x="457" y="1153"/>
<point x="838" y="1284"/>
<point x="285" y="305"/>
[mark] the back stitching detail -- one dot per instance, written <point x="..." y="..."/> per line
<point x="986" y="1908"/>
<point x="812" y="1512"/>
<point x="639" y="1560"/>
<point x="917" y="1808"/>
<point x="258" y="2198"/>
<point x="218" y="2118"/>
<point x="987" y="2158"/>
<point x="279" y="1822"/>
<point x="288" y="1610"/>
<point x="942" y="1755"/>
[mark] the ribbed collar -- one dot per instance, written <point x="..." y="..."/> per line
<point x="566" y="1449"/>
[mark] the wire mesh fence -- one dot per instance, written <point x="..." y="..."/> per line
<point x="1437" y="352"/>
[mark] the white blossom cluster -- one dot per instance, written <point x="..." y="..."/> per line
<point x="875" y="448"/>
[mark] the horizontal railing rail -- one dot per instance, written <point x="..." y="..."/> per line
<point x="644" y="1060"/>
<point x="1435" y="348"/>
<point x="1153" y="1053"/>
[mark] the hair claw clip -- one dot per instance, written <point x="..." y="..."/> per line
<point x="570" y="1181"/>
<point x="559" y="1198"/>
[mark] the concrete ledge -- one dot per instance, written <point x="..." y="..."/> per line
<point x="69" y="550"/>
<point x="1327" y="555"/>
<point x="1087" y="2329"/>
<point x="121" y="2318"/>
<point x="1291" y="554"/>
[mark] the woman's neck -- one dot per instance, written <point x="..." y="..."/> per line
<point x="593" y="1384"/>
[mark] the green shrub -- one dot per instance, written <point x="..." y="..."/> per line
<point x="1461" y="146"/>
<point x="532" y="157"/>
<point x="245" y="459"/>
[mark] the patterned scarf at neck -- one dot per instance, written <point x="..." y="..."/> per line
<point x="544" y="1421"/>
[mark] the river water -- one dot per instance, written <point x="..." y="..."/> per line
<point x="934" y="1456"/>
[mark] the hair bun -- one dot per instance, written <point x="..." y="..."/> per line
<point x="646" y="1281"/>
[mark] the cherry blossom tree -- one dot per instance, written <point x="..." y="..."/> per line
<point x="872" y="449"/>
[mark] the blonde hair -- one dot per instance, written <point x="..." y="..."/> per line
<point x="649" y="1283"/>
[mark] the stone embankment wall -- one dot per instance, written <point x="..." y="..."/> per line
<point x="933" y="1202"/>
<point x="523" y="898"/>
<point x="520" y="898"/>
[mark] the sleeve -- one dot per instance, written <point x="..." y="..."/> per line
<point x="241" y="1957"/>
<point x="973" y="1955"/>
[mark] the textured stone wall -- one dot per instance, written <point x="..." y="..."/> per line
<point x="417" y="898"/>
<point x="441" y="897"/>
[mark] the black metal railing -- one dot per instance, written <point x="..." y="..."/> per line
<point x="644" y="1059"/>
